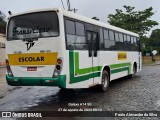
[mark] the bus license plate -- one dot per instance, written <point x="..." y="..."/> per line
<point x="31" y="68"/>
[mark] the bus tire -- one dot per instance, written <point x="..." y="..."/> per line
<point x="105" y="81"/>
<point x="61" y="88"/>
<point x="134" y="71"/>
<point x="65" y="89"/>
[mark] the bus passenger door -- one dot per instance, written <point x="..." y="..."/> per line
<point x="92" y="39"/>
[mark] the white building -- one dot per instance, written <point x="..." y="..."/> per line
<point x="2" y="49"/>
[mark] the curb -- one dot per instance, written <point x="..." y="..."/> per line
<point x="150" y="65"/>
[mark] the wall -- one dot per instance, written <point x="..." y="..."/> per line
<point x="2" y="49"/>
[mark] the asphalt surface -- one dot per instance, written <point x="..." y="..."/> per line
<point x="141" y="93"/>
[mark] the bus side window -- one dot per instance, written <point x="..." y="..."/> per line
<point x="70" y="34"/>
<point x="116" y="36"/>
<point x="125" y="38"/>
<point x="81" y="43"/>
<point x="79" y="29"/>
<point x="101" y="41"/>
<point x="128" y="43"/>
<point x="89" y="37"/>
<point x="121" y="44"/>
<point x="111" y="35"/>
<point x="132" y="44"/>
<point x="70" y="27"/>
<point x="135" y="44"/>
<point x="95" y="41"/>
<point x="75" y="36"/>
<point x="118" y="43"/>
<point x="109" y="43"/>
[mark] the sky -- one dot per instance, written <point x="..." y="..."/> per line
<point x="88" y="8"/>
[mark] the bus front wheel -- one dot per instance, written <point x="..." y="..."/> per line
<point x="105" y="81"/>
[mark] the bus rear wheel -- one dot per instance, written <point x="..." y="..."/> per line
<point x="105" y="81"/>
<point x="134" y="72"/>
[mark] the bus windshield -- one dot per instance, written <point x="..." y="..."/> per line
<point x="33" y="25"/>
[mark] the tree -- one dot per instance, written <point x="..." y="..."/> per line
<point x="135" y="21"/>
<point x="2" y="23"/>
<point x="155" y="39"/>
<point x="152" y="42"/>
<point x="145" y="45"/>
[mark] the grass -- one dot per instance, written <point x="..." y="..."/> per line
<point x="148" y="63"/>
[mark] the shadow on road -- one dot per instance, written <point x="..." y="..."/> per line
<point x="91" y="95"/>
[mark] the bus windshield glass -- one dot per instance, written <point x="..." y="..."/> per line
<point x="33" y="25"/>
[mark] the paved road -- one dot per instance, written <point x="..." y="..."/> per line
<point x="141" y="93"/>
<point x="4" y="88"/>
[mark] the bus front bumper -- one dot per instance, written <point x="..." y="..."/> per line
<point x="34" y="81"/>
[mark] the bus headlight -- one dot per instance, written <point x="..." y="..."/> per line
<point x="58" y="67"/>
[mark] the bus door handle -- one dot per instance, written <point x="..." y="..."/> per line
<point x="95" y="53"/>
<point x="90" y="50"/>
<point x="95" y="50"/>
<point x="90" y="53"/>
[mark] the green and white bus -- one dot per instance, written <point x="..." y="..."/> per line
<point x="54" y="47"/>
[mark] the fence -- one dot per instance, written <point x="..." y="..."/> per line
<point x="148" y="59"/>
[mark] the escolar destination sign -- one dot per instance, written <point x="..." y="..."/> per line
<point x="33" y="59"/>
<point x="122" y="56"/>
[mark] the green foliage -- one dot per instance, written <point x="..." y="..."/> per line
<point x="155" y="35"/>
<point x="2" y="23"/>
<point x="145" y="45"/>
<point x="152" y="42"/>
<point x="135" y="21"/>
<point x="155" y="39"/>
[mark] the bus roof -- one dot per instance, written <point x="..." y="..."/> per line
<point x="96" y="22"/>
<point x="81" y="18"/>
<point x="33" y="11"/>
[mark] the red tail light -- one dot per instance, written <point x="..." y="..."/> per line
<point x="7" y="62"/>
<point x="8" y="68"/>
<point x="58" y="67"/>
<point x="59" y="61"/>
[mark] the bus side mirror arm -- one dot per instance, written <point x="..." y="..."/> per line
<point x="90" y="53"/>
<point x="95" y="50"/>
<point x="90" y="50"/>
<point x="95" y="53"/>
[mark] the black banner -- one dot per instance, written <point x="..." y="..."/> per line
<point x="37" y="114"/>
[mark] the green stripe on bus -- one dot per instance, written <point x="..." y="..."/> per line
<point x="96" y="71"/>
<point x="120" y="65"/>
<point x="74" y="79"/>
<point x="79" y="71"/>
<point x="120" y="70"/>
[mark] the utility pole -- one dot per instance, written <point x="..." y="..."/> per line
<point x="75" y="10"/>
<point x="69" y="7"/>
